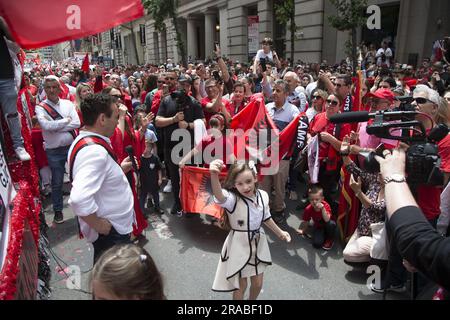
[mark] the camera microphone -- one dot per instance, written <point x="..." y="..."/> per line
<point x="363" y="116"/>
<point x="129" y="150"/>
<point x="348" y="117"/>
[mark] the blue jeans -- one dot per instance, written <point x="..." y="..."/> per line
<point x="56" y="161"/>
<point x="8" y="101"/>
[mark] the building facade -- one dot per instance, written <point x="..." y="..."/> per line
<point x="239" y="26"/>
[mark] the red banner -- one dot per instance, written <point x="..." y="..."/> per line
<point x="348" y="211"/>
<point x="42" y="23"/>
<point x="196" y="192"/>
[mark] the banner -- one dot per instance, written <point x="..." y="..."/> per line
<point x="36" y="24"/>
<point x="253" y="35"/>
<point x="196" y="192"/>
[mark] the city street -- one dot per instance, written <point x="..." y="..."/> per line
<point x="186" y="251"/>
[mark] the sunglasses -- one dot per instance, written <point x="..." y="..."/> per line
<point x="333" y="103"/>
<point x="317" y="97"/>
<point x="422" y="101"/>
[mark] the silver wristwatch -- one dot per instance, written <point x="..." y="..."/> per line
<point x="398" y="178"/>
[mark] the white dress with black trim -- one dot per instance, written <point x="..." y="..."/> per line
<point x="245" y="252"/>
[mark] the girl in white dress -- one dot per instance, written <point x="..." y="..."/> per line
<point x="245" y="252"/>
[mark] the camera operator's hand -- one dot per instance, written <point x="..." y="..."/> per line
<point x="392" y="163"/>
<point x="183" y="124"/>
<point x="178" y="117"/>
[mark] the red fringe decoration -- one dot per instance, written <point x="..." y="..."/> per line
<point x="26" y="206"/>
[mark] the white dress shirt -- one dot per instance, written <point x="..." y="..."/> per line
<point x="100" y="187"/>
<point x="56" y="133"/>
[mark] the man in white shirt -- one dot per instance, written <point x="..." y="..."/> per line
<point x="101" y="196"/>
<point x="58" y="120"/>
<point x="384" y="55"/>
<point x="282" y="113"/>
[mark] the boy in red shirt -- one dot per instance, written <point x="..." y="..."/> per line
<point x="320" y="212"/>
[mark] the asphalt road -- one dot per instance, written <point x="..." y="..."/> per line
<point x="186" y="251"/>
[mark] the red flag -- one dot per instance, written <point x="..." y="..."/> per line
<point x="247" y="124"/>
<point x="69" y="19"/>
<point x="196" y="191"/>
<point x="283" y="145"/>
<point x="85" y="65"/>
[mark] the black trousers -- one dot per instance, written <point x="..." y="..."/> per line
<point x="174" y="173"/>
<point x="321" y="234"/>
<point x="104" y="242"/>
<point x="328" y="180"/>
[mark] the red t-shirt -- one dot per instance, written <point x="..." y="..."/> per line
<point x="208" y="114"/>
<point x="316" y="215"/>
<point x="320" y="123"/>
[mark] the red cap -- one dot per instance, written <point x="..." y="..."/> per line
<point x="382" y="93"/>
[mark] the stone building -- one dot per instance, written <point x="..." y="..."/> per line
<point x="240" y="25"/>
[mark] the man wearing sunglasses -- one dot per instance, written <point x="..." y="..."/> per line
<point x="171" y="85"/>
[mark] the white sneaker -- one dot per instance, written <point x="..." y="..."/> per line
<point x="168" y="187"/>
<point x="22" y="154"/>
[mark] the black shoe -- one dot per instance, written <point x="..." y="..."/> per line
<point x="59" y="218"/>
<point x="176" y="212"/>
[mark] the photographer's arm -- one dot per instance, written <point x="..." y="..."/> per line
<point x="415" y="238"/>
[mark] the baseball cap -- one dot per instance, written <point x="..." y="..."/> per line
<point x="383" y="93"/>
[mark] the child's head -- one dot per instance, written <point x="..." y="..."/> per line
<point x="315" y="195"/>
<point x="218" y="122"/>
<point x="242" y="179"/>
<point x="126" y="272"/>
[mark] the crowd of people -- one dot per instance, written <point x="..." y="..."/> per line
<point x="113" y="131"/>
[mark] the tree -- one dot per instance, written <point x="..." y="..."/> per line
<point x="285" y="15"/>
<point x="350" y="16"/>
<point x="164" y="9"/>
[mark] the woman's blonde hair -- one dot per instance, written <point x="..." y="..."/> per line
<point x="80" y="87"/>
<point x="129" y="272"/>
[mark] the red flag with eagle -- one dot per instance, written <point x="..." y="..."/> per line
<point x="36" y="24"/>
<point x="349" y="205"/>
<point x="196" y="192"/>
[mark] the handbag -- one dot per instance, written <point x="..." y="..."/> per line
<point x="380" y="245"/>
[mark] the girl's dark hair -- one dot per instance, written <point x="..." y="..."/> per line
<point x="129" y="272"/>
<point x="138" y="91"/>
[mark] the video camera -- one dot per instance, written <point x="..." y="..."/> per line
<point x="181" y="99"/>
<point x="422" y="158"/>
